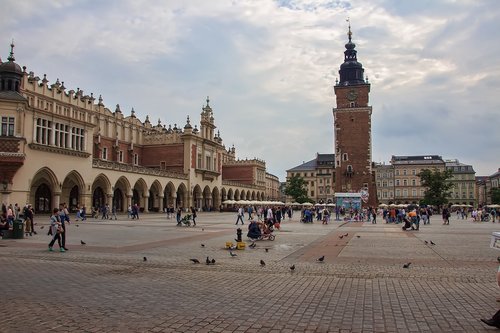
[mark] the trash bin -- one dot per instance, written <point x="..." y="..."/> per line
<point x="18" y="229"/>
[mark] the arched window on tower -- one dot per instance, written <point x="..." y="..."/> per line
<point x="344" y="157"/>
<point x="349" y="171"/>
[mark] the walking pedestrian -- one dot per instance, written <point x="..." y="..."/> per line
<point x="178" y="215"/>
<point x="193" y="215"/>
<point x="63" y="218"/>
<point x="240" y="216"/>
<point x="56" y="230"/>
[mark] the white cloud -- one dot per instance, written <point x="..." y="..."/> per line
<point x="270" y="66"/>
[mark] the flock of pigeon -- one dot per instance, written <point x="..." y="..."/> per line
<point x="209" y="261"/>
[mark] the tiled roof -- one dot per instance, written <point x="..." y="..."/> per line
<point x="307" y="166"/>
<point x="12" y="95"/>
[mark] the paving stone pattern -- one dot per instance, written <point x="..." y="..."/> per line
<point x="105" y="286"/>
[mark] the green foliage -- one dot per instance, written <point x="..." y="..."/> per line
<point x="495" y="195"/>
<point x="296" y="188"/>
<point x="437" y="186"/>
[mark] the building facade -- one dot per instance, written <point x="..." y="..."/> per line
<point x="352" y="129"/>
<point x="399" y="181"/>
<point x="384" y="177"/>
<point x="64" y="146"/>
<point x="463" y="179"/>
<point x="319" y="176"/>
<point x="484" y="185"/>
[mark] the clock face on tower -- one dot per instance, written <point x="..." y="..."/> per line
<point x="352" y="95"/>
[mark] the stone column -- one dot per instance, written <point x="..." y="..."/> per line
<point x="145" y="199"/>
<point x="174" y="201"/>
<point x="160" y="198"/>
<point x="57" y="200"/>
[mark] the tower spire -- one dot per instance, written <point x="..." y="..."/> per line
<point x="11" y="55"/>
<point x="349" y="34"/>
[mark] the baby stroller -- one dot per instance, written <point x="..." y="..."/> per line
<point x="267" y="232"/>
<point x="260" y="231"/>
<point x="186" y="221"/>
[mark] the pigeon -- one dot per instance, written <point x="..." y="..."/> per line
<point x="267" y="250"/>
<point x="77" y="225"/>
<point x="292" y="268"/>
<point x="321" y="259"/>
<point x="358" y="236"/>
<point x="202" y="229"/>
<point x="196" y="261"/>
<point x="202" y="245"/>
<point x="213" y="261"/>
<point x="347" y="234"/>
<point x="82" y="242"/>
<point x="144" y="259"/>
<point x="341" y="236"/>
<point x="262" y="263"/>
<point x="41" y="227"/>
<point x="407" y="265"/>
<point x="498" y="259"/>
<point x="426" y="242"/>
<point x="432" y="243"/>
<point x="232" y="254"/>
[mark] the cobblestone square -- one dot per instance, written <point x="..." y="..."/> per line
<point x="106" y="286"/>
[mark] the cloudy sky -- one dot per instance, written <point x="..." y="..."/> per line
<point x="269" y="68"/>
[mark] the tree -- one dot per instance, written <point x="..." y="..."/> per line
<point x="495" y="195"/>
<point x="437" y="186"/>
<point x="296" y="188"/>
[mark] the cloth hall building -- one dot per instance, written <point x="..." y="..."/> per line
<point x="64" y="146"/>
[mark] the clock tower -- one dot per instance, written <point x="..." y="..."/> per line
<point x="352" y="129"/>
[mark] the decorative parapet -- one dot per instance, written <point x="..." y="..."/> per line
<point x="233" y="183"/>
<point x="246" y="162"/>
<point x="109" y="165"/>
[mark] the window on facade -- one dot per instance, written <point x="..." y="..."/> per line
<point x="312" y="193"/>
<point x="384" y="194"/>
<point x="77" y="138"/>
<point x="61" y="135"/>
<point x="7" y="126"/>
<point x="422" y="192"/>
<point x="414" y="172"/>
<point x="104" y="155"/>
<point x="398" y="193"/>
<point x="397" y="172"/>
<point x="208" y="163"/>
<point x="43" y="132"/>
<point x="136" y="159"/>
<point x="198" y="162"/>
<point x="413" y="193"/>
<point x="163" y="165"/>
<point x="391" y="194"/>
<point x="405" y="193"/>
<point x="405" y="182"/>
<point x="344" y="157"/>
<point x="397" y="182"/>
<point x="120" y="156"/>
<point x="378" y="184"/>
<point x="414" y="182"/>
<point x="384" y="183"/>
<point x="404" y="172"/>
